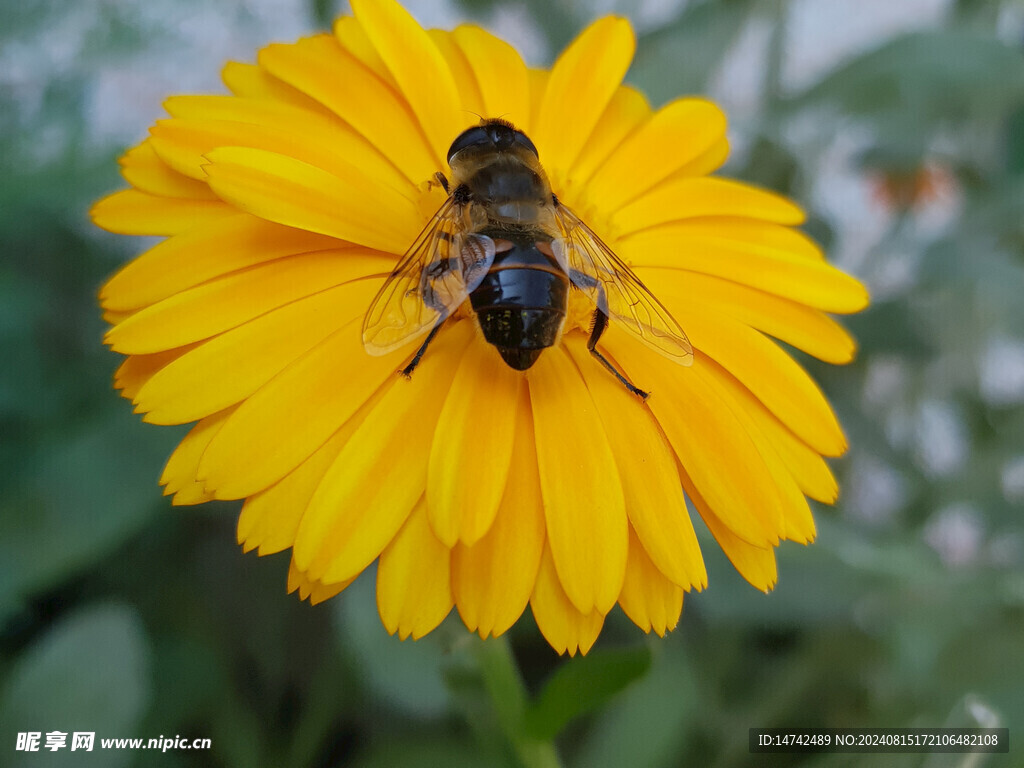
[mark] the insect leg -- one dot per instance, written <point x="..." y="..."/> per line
<point x="440" y="178"/>
<point x="407" y="371"/>
<point x="598" y="328"/>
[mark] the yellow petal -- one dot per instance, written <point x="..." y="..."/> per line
<point x="144" y="170"/>
<point x="234" y="365"/>
<point x="796" y="324"/>
<point x="674" y="253"/>
<point x="708" y="439"/>
<point x="316" y="591"/>
<point x="807" y="468"/>
<point x="270" y="518"/>
<point x="136" y="370"/>
<point x="693" y="197"/>
<point x="465" y="81"/>
<point x="179" y="475"/>
<point x="413" y="579"/>
<point x="204" y="123"/>
<point x="626" y="111"/>
<point x="288" y="191"/>
<point x="419" y="69"/>
<point x="647" y="468"/>
<point x="563" y="626"/>
<point x="755" y="564"/>
<point x="227" y="302"/>
<point x="368" y="492"/>
<point x="500" y="75"/>
<point x="583" y="502"/>
<point x="580" y="86"/>
<point x="130" y="212"/>
<point x="538" y="79"/>
<point x="251" y="81"/>
<point x="676" y="134"/>
<point x="773" y="376"/>
<point x="189" y="259"/>
<point x="353" y="38"/>
<point x="472" y="448"/>
<point x="293" y="414"/>
<point x="648" y="597"/>
<point x="321" y="68"/>
<point x="492" y="580"/>
<point x="708" y="161"/>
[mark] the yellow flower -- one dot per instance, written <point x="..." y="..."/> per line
<point x="285" y="204"/>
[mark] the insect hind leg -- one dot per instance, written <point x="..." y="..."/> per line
<point x="597" y="329"/>
<point x="407" y="371"/>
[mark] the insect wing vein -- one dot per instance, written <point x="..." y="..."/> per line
<point x="433" y="278"/>
<point x="608" y="281"/>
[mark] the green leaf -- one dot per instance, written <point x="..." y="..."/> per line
<point x="407" y="674"/>
<point x="582" y="685"/>
<point x="90" y="673"/>
<point x="88" y="493"/>
<point x="922" y="77"/>
<point x="648" y="725"/>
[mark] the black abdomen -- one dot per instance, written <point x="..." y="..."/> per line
<point x="521" y="304"/>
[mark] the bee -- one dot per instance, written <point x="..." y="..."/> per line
<point x="506" y="243"/>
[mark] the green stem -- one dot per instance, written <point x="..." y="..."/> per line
<point x="509" y="698"/>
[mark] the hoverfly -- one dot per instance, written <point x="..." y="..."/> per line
<point x="503" y="240"/>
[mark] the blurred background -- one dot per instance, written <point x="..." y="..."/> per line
<point x="899" y="125"/>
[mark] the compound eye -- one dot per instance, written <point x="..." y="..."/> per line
<point x="468" y="138"/>
<point x="524" y="140"/>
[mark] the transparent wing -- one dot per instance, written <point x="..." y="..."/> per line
<point x="609" y="282"/>
<point x="434" y="277"/>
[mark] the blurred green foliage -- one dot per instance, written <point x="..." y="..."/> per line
<point x="123" y="616"/>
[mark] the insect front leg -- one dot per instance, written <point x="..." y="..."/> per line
<point x="598" y="327"/>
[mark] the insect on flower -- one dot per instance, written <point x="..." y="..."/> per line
<point x="503" y="240"/>
<point x="518" y="466"/>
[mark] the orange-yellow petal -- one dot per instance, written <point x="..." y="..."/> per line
<point x="414" y="579"/>
<point x="227" y="302"/>
<point x="648" y="597"/>
<point x="353" y="38"/>
<point x="561" y="623"/>
<point x="682" y="130"/>
<point x="320" y="68"/>
<point x="280" y="188"/>
<point x="235" y="364"/>
<point x="315" y="590"/>
<point x="583" y="502"/>
<point x="796" y="324"/>
<point x="771" y="374"/>
<point x="647" y="468"/>
<point x="626" y="111"/>
<point x="370" y="489"/>
<point x="492" y="580"/>
<point x="251" y="81"/>
<point x="500" y="75"/>
<point x="293" y="414"/>
<point x="472" y="447"/>
<point x="419" y="69"/>
<point x="130" y="212"/>
<point x="270" y="518"/>
<point x="189" y="259"/>
<point x="694" y="197"/>
<point x="461" y="69"/>
<point x="203" y="123"/>
<point x="579" y="88"/>
<point x="179" y="475"/>
<point x="756" y="564"/>
<point x="144" y="170"/>
<point x="707" y="438"/>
